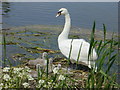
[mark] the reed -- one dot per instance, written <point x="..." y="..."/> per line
<point x="70" y="52"/>
<point x="4" y="48"/>
<point x="78" y="55"/>
<point x="6" y="61"/>
<point x="106" y="56"/>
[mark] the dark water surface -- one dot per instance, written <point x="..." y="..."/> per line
<point x="82" y="14"/>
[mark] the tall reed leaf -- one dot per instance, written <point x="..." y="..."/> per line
<point x="4" y="48"/>
<point x="112" y="59"/>
<point x="91" y="41"/>
<point x="104" y="28"/>
<point x="99" y="46"/>
<point x="70" y="52"/>
<point x="102" y="59"/>
<point x="47" y="68"/>
<point x="79" y="53"/>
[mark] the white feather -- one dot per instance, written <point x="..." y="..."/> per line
<point x="64" y="44"/>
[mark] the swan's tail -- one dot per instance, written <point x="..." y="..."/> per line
<point x="92" y="65"/>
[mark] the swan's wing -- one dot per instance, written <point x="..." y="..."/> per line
<point x="76" y="43"/>
<point x="83" y="47"/>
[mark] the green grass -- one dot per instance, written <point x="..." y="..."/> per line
<point x="101" y="78"/>
<point x="106" y="55"/>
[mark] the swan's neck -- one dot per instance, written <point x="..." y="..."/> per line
<point x="65" y="32"/>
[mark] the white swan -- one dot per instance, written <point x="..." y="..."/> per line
<point x="64" y="43"/>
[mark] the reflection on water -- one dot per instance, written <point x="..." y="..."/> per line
<point x="82" y="14"/>
<point x="5" y="8"/>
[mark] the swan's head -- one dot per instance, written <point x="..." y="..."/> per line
<point x="44" y="55"/>
<point x="62" y="11"/>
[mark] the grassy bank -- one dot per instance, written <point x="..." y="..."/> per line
<point x="22" y="77"/>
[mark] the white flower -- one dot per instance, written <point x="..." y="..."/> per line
<point x="55" y="70"/>
<point x="20" y="75"/>
<point x="45" y="86"/>
<point x="6" y="77"/>
<point x="17" y="70"/>
<point x="49" y="83"/>
<point x="27" y="68"/>
<point x="6" y="69"/>
<point x="26" y="85"/>
<point x="30" y="77"/>
<point x="61" y="77"/>
<point x="41" y="81"/>
<point x="1" y="86"/>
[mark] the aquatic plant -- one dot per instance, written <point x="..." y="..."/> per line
<point x="102" y="78"/>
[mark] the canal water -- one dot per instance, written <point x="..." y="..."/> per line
<point x="83" y="14"/>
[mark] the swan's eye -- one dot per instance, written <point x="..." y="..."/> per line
<point x="59" y="12"/>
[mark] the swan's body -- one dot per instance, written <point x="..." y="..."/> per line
<point x="64" y="43"/>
